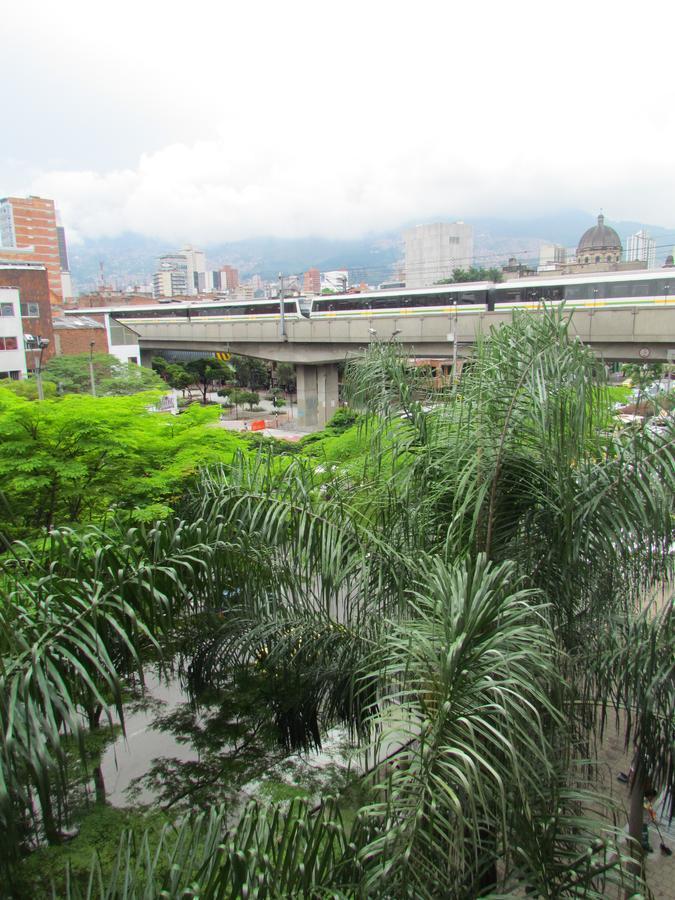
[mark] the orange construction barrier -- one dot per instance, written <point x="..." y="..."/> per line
<point x="258" y="425"/>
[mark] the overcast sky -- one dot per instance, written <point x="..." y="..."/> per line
<point x="217" y="121"/>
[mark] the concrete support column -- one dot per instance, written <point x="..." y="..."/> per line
<point x="317" y="393"/>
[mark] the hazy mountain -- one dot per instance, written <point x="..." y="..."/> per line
<point x="131" y="258"/>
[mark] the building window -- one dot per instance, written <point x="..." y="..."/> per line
<point x="119" y="336"/>
<point x="30" y="310"/>
<point x="597" y="259"/>
<point x="13" y="375"/>
<point x="6" y="310"/>
<point x="586" y="260"/>
<point x="8" y="343"/>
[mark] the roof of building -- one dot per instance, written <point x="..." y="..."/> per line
<point x="599" y="237"/>
<point x="77" y="322"/>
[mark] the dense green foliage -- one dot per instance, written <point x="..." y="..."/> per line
<point x="474" y="273"/>
<point x="71" y="374"/>
<point x="68" y="461"/>
<point x="459" y="578"/>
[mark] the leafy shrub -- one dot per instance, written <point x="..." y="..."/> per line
<point x="343" y="418"/>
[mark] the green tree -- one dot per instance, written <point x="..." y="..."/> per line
<point x="159" y="365"/>
<point x="179" y="378"/>
<point x="451" y="600"/>
<point x="251" y="372"/>
<point x="27" y="387"/>
<point x="208" y="371"/>
<point x="66" y="461"/>
<point x="112" y="377"/>
<point x="473" y="274"/>
<point x="285" y="376"/>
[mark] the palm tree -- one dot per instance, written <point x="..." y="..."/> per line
<point x="454" y="582"/>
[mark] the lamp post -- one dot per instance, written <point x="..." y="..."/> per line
<point x="282" y="311"/>
<point x="38" y="346"/>
<point x="91" y="368"/>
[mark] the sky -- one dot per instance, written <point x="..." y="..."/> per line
<point x="209" y="122"/>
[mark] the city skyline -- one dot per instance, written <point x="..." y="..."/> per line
<point x="138" y="143"/>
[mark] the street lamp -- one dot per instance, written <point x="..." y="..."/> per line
<point x="37" y="344"/>
<point x="91" y="368"/>
<point x="282" y="311"/>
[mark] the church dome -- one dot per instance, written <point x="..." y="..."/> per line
<point x="599" y="237"/>
<point x="599" y="244"/>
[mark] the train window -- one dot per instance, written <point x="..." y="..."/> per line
<point x="507" y="296"/>
<point x="575" y="291"/>
<point x="384" y="303"/>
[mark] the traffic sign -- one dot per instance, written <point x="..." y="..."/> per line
<point x="223" y="356"/>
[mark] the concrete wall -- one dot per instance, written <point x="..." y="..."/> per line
<point x="631" y="333"/>
<point x="433" y="251"/>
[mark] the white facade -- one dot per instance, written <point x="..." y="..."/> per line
<point x="12" y="346"/>
<point x="641" y="248"/>
<point x="66" y="285"/>
<point x="7" y="235"/>
<point x="551" y="256"/>
<point x="182" y="273"/>
<point x="433" y="251"/>
<point x="122" y="341"/>
<point x="170" y="281"/>
<point x="337" y="280"/>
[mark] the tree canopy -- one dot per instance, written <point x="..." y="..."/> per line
<point x="71" y="374"/>
<point x="468" y="593"/>
<point x="474" y="273"/>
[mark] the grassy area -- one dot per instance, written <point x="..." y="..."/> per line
<point x="43" y="873"/>
<point x="619" y="393"/>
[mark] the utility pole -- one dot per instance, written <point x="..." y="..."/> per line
<point x="91" y="368"/>
<point x="282" y="317"/>
<point x="37" y="346"/>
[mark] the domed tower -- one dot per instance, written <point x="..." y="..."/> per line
<point x="600" y="244"/>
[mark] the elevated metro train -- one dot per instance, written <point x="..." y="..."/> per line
<point x="600" y="289"/>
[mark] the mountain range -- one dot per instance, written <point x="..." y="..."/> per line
<point x="132" y="258"/>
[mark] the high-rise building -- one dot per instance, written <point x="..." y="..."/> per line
<point x="433" y="251"/>
<point x="182" y="273"/>
<point x="231" y="276"/>
<point x="29" y="233"/>
<point x="551" y="256"/>
<point x="311" y="283"/>
<point x="170" y="281"/>
<point x="640" y="247"/>
<point x="195" y="261"/>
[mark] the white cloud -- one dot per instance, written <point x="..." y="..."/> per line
<point x="202" y="124"/>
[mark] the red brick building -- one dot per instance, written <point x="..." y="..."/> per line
<point x="29" y="234"/>
<point x="32" y="282"/>
<point x="80" y="334"/>
<point x="312" y="282"/>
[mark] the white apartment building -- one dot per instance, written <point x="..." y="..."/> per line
<point x="433" y="251"/>
<point x="182" y="273"/>
<point x="640" y="247"/>
<point x="337" y="280"/>
<point x="12" y="345"/>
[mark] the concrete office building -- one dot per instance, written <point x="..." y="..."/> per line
<point x="182" y="274"/>
<point x="337" y="280"/>
<point x="551" y="256"/>
<point x="640" y="247"/>
<point x="433" y="251"/>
